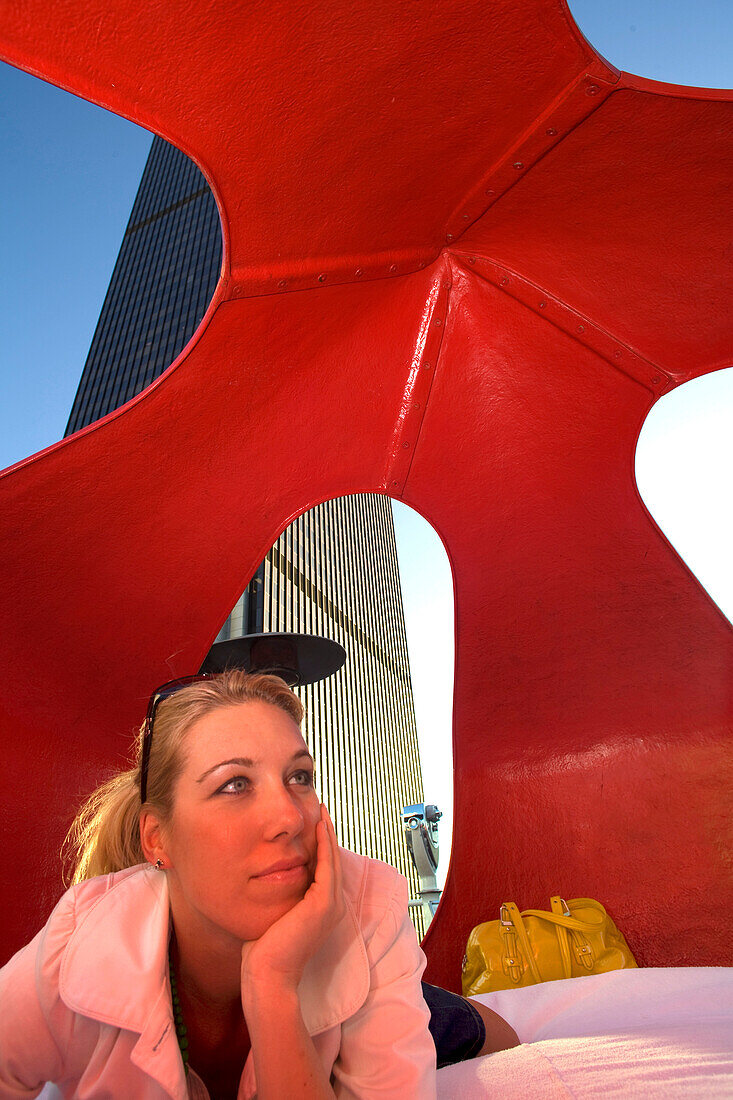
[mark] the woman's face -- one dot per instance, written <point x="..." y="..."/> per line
<point x="241" y="842"/>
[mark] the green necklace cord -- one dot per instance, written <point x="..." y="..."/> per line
<point x="181" y="1033"/>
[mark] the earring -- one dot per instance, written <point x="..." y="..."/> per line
<point x="159" y="865"/>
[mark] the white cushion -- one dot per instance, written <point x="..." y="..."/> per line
<point x="643" y="1033"/>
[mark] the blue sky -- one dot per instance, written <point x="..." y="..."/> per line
<point x="69" y="172"/>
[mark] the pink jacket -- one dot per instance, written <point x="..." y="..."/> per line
<point x="86" y="1004"/>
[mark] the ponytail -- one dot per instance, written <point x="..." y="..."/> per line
<point x="105" y="834"/>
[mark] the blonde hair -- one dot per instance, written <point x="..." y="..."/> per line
<point x="105" y="834"/>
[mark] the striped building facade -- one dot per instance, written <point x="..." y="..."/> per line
<point x="333" y="572"/>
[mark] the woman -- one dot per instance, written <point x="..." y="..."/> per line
<point x="235" y="949"/>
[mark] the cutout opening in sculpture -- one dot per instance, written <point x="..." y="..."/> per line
<point x="373" y="575"/>
<point x="71" y="180"/>
<point x="683" y="461"/>
<point x="679" y="43"/>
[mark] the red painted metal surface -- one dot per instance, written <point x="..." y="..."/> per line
<point x="463" y="257"/>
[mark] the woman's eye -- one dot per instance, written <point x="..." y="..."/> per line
<point x="303" y="778"/>
<point x="235" y="786"/>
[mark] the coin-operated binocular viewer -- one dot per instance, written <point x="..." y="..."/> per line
<point x="421" y="834"/>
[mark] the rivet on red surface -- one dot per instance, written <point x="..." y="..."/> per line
<point x="617" y="354"/>
<point x="416" y="405"/>
<point x="322" y="277"/>
<point x="395" y="482"/>
<point x="405" y="445"/>
<point x="472" y="259"/>
<point x="592" y="89"/>
<point x="465" y="217"/>
<point x="358" y="272"/>
<point x="551" y="131"/>
<point x="438" y="321"/>
<point x="581" y="328"/>
<point x="427" y="366"/>
<point x="449" y="236"/>
<point x="504" y="281"/>
<point x="393" y="267"/>
<point x="490" y="192"/>
<point x="518" y="164"/>
<point x="282" y="284"/>
<point x="656" y="380"/>
<point x="542" y="305"/>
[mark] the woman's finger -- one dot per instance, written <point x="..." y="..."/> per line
<point x="324" y="855"/>
<point x="338" y="873"/>
<point x="328" y="864"/>
<point x="326" y="892"/>
<point x="337" y="879"/>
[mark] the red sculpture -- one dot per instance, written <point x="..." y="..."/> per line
<point x="463" y="257"/>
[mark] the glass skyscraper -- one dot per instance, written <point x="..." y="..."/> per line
<point x="333" y="572"/>
<point x="162" y="282"/>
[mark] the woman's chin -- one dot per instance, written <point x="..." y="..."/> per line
<point x="268" y="913"/>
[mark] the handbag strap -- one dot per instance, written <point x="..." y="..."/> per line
<point x="565" y="922"/>
<point x="515" y="919"/>
<point x="560" y="908"/>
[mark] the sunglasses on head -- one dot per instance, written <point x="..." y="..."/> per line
<point x="159" y="695"/>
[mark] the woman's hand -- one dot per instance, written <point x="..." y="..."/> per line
<point x="277" y="959"/>
<point x="285" y="1060"/>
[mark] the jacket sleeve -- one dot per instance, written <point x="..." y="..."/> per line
<point x="386" y="1051"/>
<point x="29" y="1054"/>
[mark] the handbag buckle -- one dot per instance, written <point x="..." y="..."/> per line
<point x="506" y="923"/>
<point x="565" y="907"/>
<point x="511" y="962"/>
<point x="583" y="950"/>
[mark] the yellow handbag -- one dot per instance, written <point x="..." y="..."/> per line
<point x="576" y="938"/>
